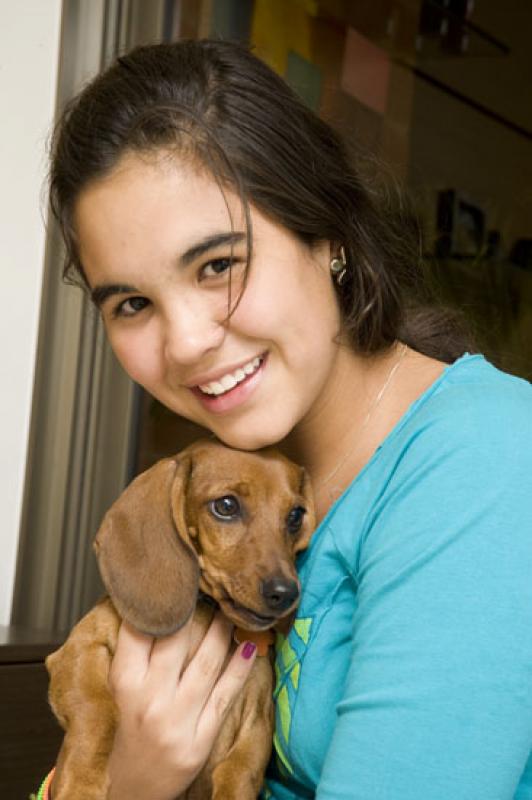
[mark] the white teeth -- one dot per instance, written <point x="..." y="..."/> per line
<point x="230" y="380"/>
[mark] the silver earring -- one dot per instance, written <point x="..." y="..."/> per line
<point x="338" y="267"/>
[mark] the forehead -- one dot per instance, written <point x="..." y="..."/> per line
<point x="219" y="469"/>
<point x="150" y="202"/>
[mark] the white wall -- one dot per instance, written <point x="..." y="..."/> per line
<point x="29" y="48"/>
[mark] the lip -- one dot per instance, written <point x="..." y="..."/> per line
<point x="210" y="377"/>
<point x="224" y="403"/>
<point x="249" y="618"/>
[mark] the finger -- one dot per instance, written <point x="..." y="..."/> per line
<point x="132" y="655"/>
<point x="228" y="687"/>
<point x="205" y="667"/>
<point x="168" y="657"/>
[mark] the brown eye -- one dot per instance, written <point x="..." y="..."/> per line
<point x="216" y="267"/>
<point x="226" y="507"/>
<point x="294" y="519"/>
<point x="130" y="307"/>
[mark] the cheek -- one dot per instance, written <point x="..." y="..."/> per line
<point x="291" y="302"/>
<point x="260" y="305"/>
<point x="137" y="355"/>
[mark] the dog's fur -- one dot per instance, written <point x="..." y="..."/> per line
<point x="158" y="546"/>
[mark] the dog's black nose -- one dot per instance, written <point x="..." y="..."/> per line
<point x="279" y="593"/>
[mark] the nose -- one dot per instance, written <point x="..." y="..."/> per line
<point x="190" y="331"/>
<point x="279" y="593"/>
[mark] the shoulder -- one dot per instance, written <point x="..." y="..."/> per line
<point x="474" y="377"/>
<point x="462" y="451"/>
<point x="475" y="408"/>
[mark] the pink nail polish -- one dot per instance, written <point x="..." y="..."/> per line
<point x="248" y="650"/>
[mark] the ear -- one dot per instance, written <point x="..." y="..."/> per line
<point x="149" y="572"/>
<point x="309" y="520"/>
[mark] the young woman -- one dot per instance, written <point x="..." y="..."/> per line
<point x="249" y="281"/>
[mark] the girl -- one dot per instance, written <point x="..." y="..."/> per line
<point x="247" y="279"/>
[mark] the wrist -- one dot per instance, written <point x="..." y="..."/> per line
<point x="44" y="792"/>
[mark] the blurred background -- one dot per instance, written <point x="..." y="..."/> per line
<point x="436" y="89"/>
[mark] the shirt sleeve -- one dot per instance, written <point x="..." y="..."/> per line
<point x="438" y="699"/>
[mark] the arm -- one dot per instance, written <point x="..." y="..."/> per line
<point x="438" y="698"/>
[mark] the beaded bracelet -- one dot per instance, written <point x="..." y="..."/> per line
<point x="44" y="791"/>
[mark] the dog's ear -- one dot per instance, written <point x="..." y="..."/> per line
<point x="309" y="520"/>
<point x="178" y="497"/>
<point x="150" y="573"/>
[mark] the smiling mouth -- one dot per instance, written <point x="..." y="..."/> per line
<point x="228" y="382"/>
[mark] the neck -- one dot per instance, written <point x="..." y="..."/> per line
<point x="341" y="433"/>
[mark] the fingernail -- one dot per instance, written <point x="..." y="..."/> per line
<point x="248" y="650"/>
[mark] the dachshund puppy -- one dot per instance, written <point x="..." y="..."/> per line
<point x="212" y="521"/>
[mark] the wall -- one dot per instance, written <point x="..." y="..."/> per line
<point x="29" y="42"/>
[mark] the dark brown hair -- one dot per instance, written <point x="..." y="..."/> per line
<point x="231" y="112"/>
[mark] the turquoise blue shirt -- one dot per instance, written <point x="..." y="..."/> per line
<point x="408" y="673"/>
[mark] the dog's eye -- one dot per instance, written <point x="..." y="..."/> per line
<point x="226" y="507"/>
<point x="294" y="519"/>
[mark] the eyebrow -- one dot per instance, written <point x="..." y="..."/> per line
<point x="101" y="292"/>
<point x="217" y="239"/>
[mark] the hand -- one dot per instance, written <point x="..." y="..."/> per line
<point x="169" y="716"/>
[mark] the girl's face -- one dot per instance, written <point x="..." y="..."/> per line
<point x="156" y="241"/>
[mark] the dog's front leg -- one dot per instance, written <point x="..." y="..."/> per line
<point x="239" y="775"/>
<point x="81" y="771"/>
<point x="82" y="702"/>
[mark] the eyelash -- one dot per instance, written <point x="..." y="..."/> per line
<point x="119" y="310"/>
<point x="227" y="262"/>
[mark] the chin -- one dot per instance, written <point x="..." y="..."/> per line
<point x="250" y="439"/>
<point x="249" y="443"/>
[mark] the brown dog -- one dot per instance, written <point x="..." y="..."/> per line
<point x="223" y="522"/>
